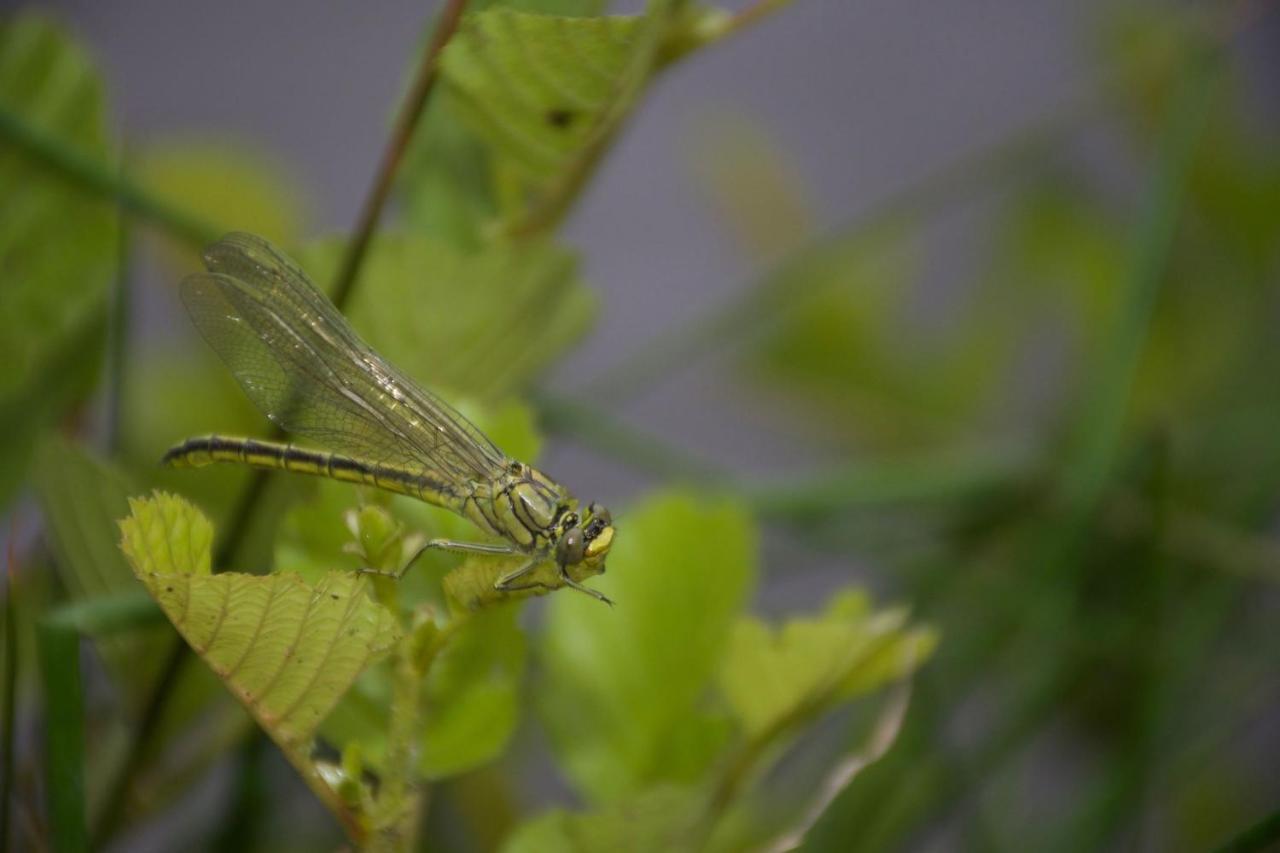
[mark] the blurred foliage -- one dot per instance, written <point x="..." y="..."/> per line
<point x="1066" y="462"/>
<point x="229" y="183"/>
<point x="514" y="308"/>
<point x="58" y="246"/>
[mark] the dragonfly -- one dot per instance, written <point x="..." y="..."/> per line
<point x="300" y="362"/>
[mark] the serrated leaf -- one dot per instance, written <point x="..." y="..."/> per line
<point x="286" y="649"/>
<point x="165" y="535"/>
<point x="480" y="323"/>
<point x="57" y="245"/>
<point x="624" y="687"/>
<point x="547" y="93"/>
<point x="785" y="676"/>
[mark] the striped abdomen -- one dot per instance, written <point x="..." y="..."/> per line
<point x="208" y="449"/>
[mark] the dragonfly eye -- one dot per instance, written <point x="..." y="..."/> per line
<point x="570" y="548"/>
<point x="601" y="513"/>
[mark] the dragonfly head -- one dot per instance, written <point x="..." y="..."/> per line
<point x="584" y="542"/>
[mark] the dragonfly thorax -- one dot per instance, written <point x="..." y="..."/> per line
<point x="539" y="516"/>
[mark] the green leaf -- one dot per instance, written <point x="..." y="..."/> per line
<point x="837" y="348"/>
<point x="623" y="697"/>
<point x="82" y="497"/>
<point x="287" y="650"/>
<point x="483" y="323"/>
<point x="546" y="94"/>
<point x="230" y="183"/>
<point x="446" y="184"/>
<point x="470" y="699"/>
<point x="786" y="676"/>
<point x="472" y="694"/>
<point x="165" y="535"/>
<point x="172" y="394"/>
<point x="659" y="819"/>
<point x="57" y="246"/>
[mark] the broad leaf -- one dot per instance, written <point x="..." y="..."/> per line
<point x="473" y="694"/>
<point x="483" y="323"/>
<point x="286" y="649"/>
<point x="778" y="677"/>
<point x="57" y="245"/>
<point x="470" y="700"/>
<point x="625" y="688"/>
<point x="446" y="183"/>
<point x="546" y="94"/>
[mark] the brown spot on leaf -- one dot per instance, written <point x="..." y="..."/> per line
<point x="560" y="117"/>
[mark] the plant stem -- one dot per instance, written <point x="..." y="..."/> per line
<point x="399" y="800"/>
<point x="99" y="178"/>
<point x="401" y="135"/>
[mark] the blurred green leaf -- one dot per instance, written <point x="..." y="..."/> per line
<point x="484" y="323"/>
<point x="230" y="183"/>
<point x="174" y="394"/>
<point x="756" y="187"/>
<point x="470" y="700"/>
<point x="57" y="245"/>
<point x="841" y="350"/>
<point x="472" y="694"/>
<point x="285" y="649"/>
<point x="625" y="687"/>
<point x="774" y="678"/>
<point x="546" y="94"/>
<point x="82" y="498"/>
<point x="659" y="819"/>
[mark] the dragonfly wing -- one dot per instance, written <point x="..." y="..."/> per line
<point x="301" y="363"/>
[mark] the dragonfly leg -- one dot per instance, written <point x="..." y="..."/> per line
<point x="446" y="545"/>
<point x="596" y="594"/>
<point x="504" y="583"/>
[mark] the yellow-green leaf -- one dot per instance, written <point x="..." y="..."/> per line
<point x="484" y="323"/>
<point x="546" y="93"/>
<point x="775" y="677"/>
<point x="624" y="687"/>
<point x="241" y="188"/>
<point x="286" y="649"/>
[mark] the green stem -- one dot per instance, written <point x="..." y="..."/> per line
<point x="100" y="178"/>
<point x="399" y="800"/>
<point x="401" y="135"/>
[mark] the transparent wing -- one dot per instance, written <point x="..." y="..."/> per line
<point x="301" y="363"/>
